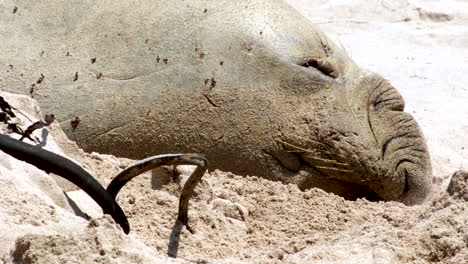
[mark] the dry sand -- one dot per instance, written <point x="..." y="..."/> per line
<point x="423" y="52"/>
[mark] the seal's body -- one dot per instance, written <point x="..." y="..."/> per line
<point x="252" y="84"/>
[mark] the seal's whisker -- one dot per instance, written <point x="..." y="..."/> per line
<point x="335" y="169"/>
<point x="347" y="175"/>
<point x="339" y="174"/>
<point x="317" y="161"/>
<point x="315" y="148"/>
<point x="295" y="146"/>
<point x="292" y="147"/>
<point x="310" y="141"/>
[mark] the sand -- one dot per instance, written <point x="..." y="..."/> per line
<point x="420" y="46"/>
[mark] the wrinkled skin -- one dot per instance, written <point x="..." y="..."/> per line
<point x="252" y="84"/>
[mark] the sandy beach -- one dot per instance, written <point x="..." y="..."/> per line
<point x="421" y="47"/>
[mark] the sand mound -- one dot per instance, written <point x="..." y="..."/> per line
<point x="252" y="220"/>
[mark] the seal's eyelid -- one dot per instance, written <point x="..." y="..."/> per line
<point x="322" y="65"/>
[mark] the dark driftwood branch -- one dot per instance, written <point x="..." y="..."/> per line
<point x="51" y="162"/>
<point x="167" y="159"/>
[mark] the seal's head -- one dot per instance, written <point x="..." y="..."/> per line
<point x="289" y="104"/>
<point x="318" y="120"/>
<point x="351" y="127"/>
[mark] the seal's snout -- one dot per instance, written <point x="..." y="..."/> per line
<point x="367" y="142"/>
<point x="406" y="168"/>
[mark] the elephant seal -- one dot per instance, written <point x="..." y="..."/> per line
<point x="252" y="84"/>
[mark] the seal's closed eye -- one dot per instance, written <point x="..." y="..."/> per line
<point x="323" y="65"/>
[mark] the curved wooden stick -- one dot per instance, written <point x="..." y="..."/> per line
<point x="51" y="162"/>
<point x="166" y="159"/>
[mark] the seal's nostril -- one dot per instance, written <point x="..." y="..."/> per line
<point x="322" y="65"/>
<point x="406" y="182"/>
